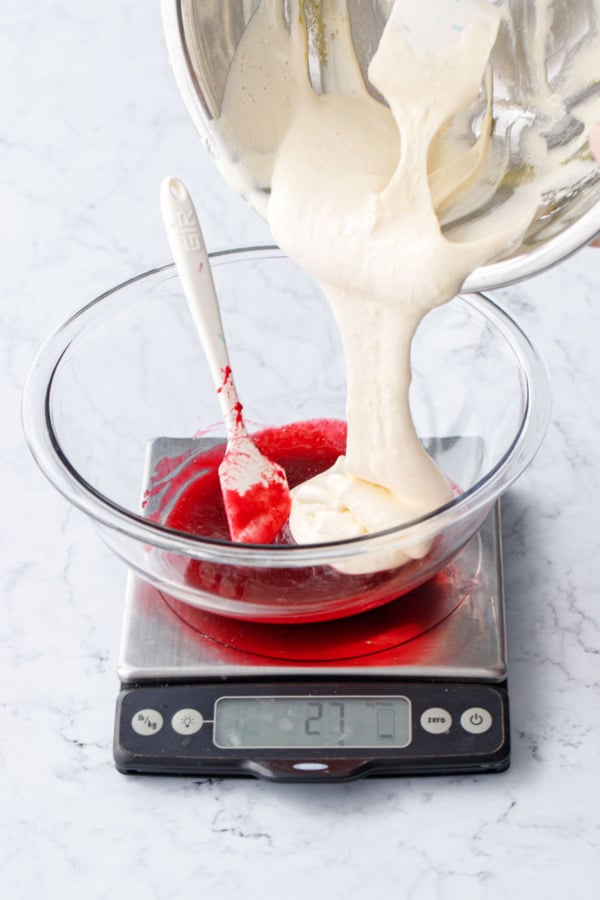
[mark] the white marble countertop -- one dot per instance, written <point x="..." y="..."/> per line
<point x="92" y="121"/>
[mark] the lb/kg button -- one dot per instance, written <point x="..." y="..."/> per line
<point x="476" y="720"/>
<point x="146" y="722"/>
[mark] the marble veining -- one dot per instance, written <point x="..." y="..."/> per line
<point x="92" y="121"/>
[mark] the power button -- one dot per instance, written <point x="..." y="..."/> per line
<point x="476" y="720"/>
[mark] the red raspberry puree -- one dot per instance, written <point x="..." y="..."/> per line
<point x="192" y="503"/>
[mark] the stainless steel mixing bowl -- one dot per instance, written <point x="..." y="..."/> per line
<point x="202" y="37"/>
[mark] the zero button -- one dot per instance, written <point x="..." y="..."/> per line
<point x="436" y="720"/>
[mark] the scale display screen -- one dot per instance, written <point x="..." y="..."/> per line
<point x="312" y="721"/>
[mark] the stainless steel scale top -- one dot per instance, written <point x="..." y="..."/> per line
<point x="449" y="629"/>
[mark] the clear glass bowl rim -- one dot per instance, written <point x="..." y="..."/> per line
<point x="47" y="452"/>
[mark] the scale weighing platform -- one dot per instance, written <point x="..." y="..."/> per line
<point x="417" y="686"/>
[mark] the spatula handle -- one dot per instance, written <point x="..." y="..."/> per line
<point x="192" y="263"/>
<point x="191" y="259"/>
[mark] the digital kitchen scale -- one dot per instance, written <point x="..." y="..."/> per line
<point x="417" y="686"/>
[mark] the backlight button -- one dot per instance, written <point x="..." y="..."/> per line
<point x="187" y="721"/>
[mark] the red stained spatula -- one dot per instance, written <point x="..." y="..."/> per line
<point x="255" y="489"/>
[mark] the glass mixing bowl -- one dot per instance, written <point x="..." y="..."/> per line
<point x="126" y="377"/>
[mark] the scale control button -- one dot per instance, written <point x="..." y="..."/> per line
<point x="476" y="720"/>
<point x="436" y="720"/>
<point x="187" y="721"/>
<point x="147" y="721"/>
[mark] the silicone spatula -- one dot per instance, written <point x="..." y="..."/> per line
<point x="255" y="489"/>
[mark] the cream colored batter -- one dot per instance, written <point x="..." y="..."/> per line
<point x="355" y="189"/>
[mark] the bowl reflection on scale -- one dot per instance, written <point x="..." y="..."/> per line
<point x="127" y="368"/>
<point x="352" y="638"/>
<point x="452" y="626"/>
